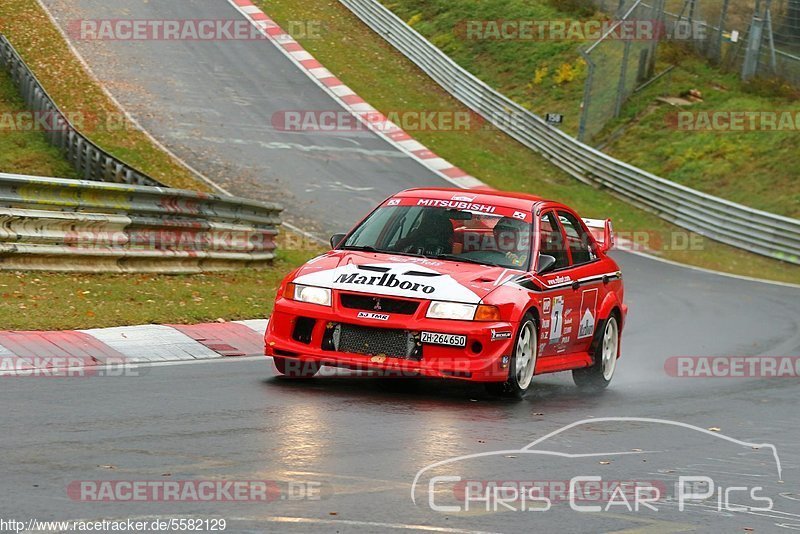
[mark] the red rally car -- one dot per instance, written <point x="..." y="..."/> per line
<point x="476" y="285"/>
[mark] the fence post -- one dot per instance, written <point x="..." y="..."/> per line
<point x="771" y="35"/>
<point x="623" y="76"/>
<point x="753" y="53"/>
<point x="661" y="21"/>
<point x="723" y="21"/>
<point x="587" y="96"/>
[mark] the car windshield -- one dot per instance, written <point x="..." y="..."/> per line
<point x="444" y="233"/>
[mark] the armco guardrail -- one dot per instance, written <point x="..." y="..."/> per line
<point x="91" y="161"/>
<point x="737" y="225"/>
<point x="70" y="225"/>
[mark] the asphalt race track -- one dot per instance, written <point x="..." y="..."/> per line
<point x="361" y="439"/>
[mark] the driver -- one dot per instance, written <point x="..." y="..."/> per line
<point x="433" y="235"/>
<point x="513" y="239"/>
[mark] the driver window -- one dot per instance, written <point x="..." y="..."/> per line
<point x="577" y="240"/>
<point x="551" y="242"/>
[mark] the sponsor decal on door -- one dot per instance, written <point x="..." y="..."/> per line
<point x="588" y="312"/>
<point x="556" y="320"/>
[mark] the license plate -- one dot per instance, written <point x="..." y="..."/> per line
<point x="451" y="340"/>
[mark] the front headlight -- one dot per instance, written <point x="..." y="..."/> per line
<point x="463" y="312"/>
<point x="310" y="294"/>
<point x="451" y="310"/>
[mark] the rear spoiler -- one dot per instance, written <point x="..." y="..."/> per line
<point x="602" y="231"/>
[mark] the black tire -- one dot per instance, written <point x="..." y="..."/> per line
<point x="517" y="386"/>
<point x="597" y="377"/>
<point x="292" y="368"/>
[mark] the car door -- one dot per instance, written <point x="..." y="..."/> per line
<point x="588" y="288"/>
<point x="559" y="299"/>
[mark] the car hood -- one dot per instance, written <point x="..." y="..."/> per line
<point x="403" y="276"/>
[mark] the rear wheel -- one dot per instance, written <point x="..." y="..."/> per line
<point x="295" y="368"/>
<point x="523" y="362"/>
<point x="599" y="375"/>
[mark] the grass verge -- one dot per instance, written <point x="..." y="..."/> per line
<point x="60" y="301"/>
<point x="76" y="93"/>
<point x="22" y="150"/>
<point x="391" y="83"/>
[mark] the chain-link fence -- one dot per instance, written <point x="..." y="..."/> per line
<point x="620" y="61"/>
<point x="758" y="38"/>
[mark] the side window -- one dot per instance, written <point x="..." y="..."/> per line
<point x="551" y="242"/>
<point x="577" y="240"/>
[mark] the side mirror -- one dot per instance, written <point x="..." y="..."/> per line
<point x="336" y="239"/>
<point x="546" y="263"/>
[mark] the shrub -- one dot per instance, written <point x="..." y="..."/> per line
<point x="565" y="74"/>
<point x="583" y="9"/>
<point x="771" y="88"/>
<point x="540" y="74"/>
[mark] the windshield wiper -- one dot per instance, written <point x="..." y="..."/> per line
<point x="455" y="257"/>
<point x="361" y="248"/>
<point x="369" y="248"/>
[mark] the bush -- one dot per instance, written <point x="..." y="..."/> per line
<point x="565" y="74"/>
<point x="771" y="88"/>
<point x="540" y="74"/>
<point x="582" y="9"/>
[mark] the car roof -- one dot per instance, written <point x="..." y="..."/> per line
<point x="520" y="201"/>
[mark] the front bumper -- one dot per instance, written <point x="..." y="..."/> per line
<point x="485" y="358"/>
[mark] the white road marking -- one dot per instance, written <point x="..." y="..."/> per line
<point x="279" y="145"/>
<point x="395" y="526"/>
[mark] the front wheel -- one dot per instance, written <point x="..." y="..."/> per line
<point x="295" y="368"/>
<point x="523" y="362"/>
<point x="599" y="375"/>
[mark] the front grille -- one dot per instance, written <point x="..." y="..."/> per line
<point x="379" y="304"/>
<point x="373" y="341"/>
